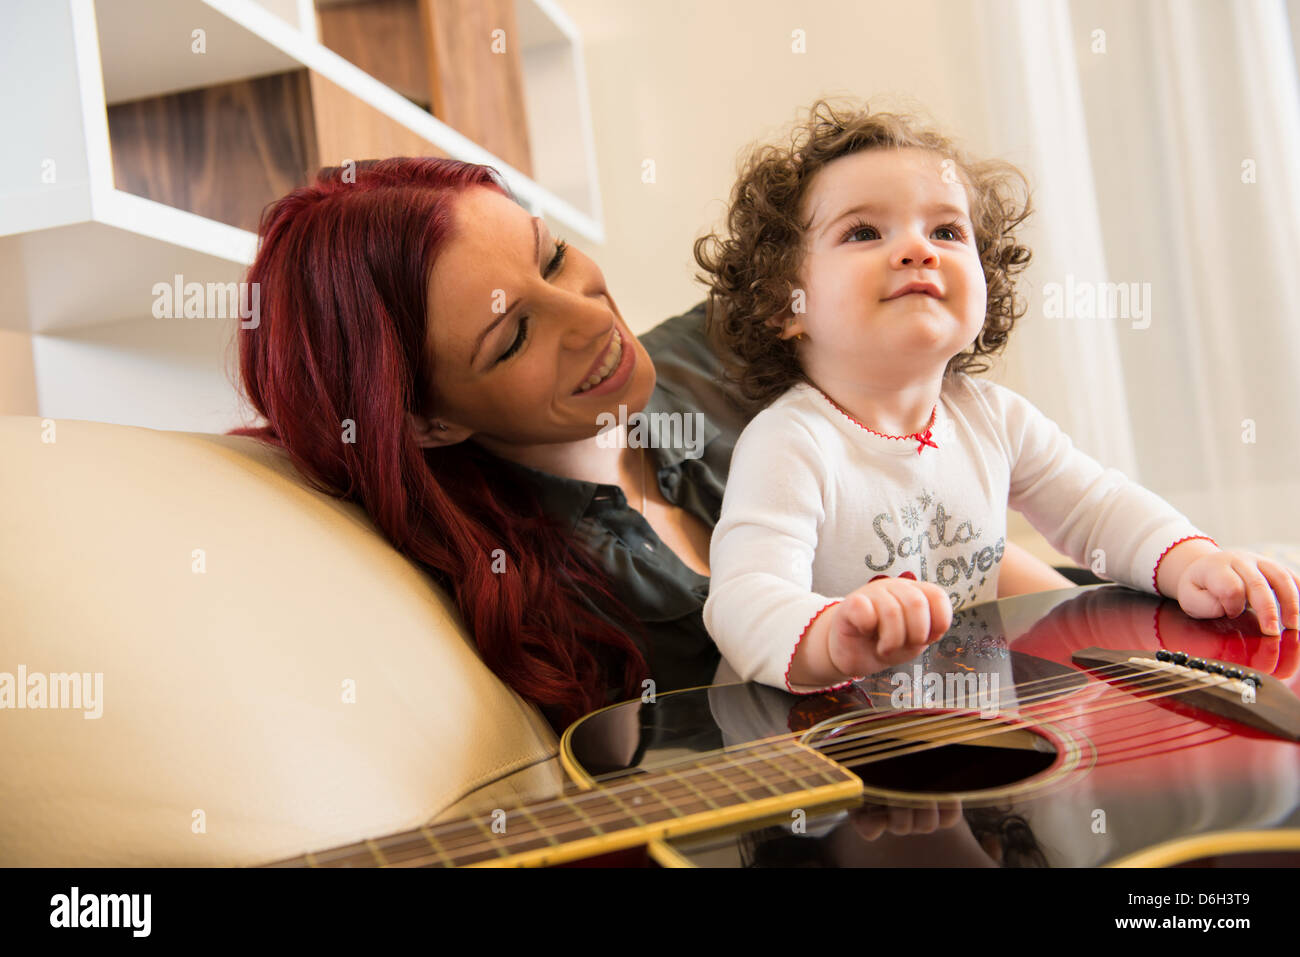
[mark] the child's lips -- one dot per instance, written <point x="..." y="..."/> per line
<point x="916" y="288"/>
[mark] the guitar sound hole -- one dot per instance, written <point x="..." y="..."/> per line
<point x="917" y="759"/>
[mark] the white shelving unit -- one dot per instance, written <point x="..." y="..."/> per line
<point x="82" y="255"/>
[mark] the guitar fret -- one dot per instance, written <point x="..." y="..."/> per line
<point x="797" y="782"/>
<point x="399" y="849"/>
<point x="744" y="795"/>
<point x="468" y="849"/>
<point x="433" y="843"/>
<point x="468" y="836"/>
<point x="636" y="818"/>
<point x="348" y="855"/>
<point x="679" y="806"/>
<point x="497" y="849"/>
<point x="652" y="799"/>
<point x="596" y="827"/>
<point x="680" y="778"/>
<point x="539" y="826"/>
<point x="818" y="766"/>
<point x="654" y="810"/>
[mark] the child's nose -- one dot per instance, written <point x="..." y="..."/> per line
<point x="916" y="253"/>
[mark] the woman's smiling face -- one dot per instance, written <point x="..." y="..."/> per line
<point x="518" y="323"/>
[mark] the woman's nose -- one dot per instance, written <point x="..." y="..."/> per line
<point x="586" y="317"/>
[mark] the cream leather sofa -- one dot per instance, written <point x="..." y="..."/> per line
<point x="275" y="677"/>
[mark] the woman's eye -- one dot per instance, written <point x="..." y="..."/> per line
<point x="551" y="268"/>
<point x="557" y="260"/>
<point x="520" y="339"/>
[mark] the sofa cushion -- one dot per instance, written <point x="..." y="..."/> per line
<point x="273" y="676"/>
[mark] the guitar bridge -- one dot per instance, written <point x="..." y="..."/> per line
<point x="1257" y="700"/>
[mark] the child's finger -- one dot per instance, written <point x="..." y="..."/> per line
<point x="1260" y="594"/>
<point x="858" y="617"/>
<point x="940" y="611"/>
<point x="855" y="617"/>
<point x="1286" y="587"/>
<point x="916" y="613"/>
<point x="1224" y="586"/>
<point x="891" y="630"/>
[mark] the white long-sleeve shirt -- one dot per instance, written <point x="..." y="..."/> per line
<point x="816" y="505"/>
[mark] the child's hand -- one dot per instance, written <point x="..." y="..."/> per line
<point x="1221" y="583"/>
<point x="884" y="622"/>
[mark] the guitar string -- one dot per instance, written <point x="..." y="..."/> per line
<point x="1131" y="677"/>
<point x="475" y="826"/>
<point x="1127" y="700"/>
<point x="893" y="751"/>
<point x="1119" y="700"/>
<point x="445" y="830"/>
<point x="494" y="847"/>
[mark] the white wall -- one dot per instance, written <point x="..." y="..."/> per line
<point x="688" y="83"/>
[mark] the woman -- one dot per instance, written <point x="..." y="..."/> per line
<point x="430" y="351"/>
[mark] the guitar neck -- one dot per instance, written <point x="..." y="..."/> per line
<point x="721" y="789"/>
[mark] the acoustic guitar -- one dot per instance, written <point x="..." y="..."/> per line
<point x="1083" y="727"/>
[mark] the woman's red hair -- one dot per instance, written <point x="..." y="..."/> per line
<point x="342" y="269"/>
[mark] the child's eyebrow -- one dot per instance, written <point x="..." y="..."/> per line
<point x="875" y="209"/>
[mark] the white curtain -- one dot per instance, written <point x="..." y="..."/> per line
<point x="1163" y="139"/>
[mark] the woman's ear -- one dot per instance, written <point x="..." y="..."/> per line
<point x="434" y="433"/>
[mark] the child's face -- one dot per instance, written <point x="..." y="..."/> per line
<point x="879" y="223"/>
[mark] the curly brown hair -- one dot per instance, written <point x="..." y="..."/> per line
<point x="752" y="272"/>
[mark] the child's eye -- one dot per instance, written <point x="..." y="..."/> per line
<point x="855" y="232"/>
<point x="959" y="234"/>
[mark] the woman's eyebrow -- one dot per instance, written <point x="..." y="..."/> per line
<point x="478" y="343"/>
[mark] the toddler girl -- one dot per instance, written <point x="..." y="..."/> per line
<point x="869" y="269"/>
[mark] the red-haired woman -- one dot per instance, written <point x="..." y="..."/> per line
<point x="431" y="351"/>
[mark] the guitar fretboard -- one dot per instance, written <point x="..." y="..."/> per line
<point x="748" y="783"/>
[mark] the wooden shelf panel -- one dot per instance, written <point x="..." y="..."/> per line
<point x="223" y="152"/>
<point x="381" y="37"/>
<point x="477" y="75"/>
<point x="226" y="152"/>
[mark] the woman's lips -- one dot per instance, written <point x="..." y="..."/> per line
<point x="605" y="363"/>
<point x="619" y="375"/>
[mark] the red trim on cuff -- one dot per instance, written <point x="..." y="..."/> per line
<point x="1155" y="572"/>
<point x="795" y="650"/>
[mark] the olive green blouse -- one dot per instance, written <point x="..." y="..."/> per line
<point x="665" y="595"/>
